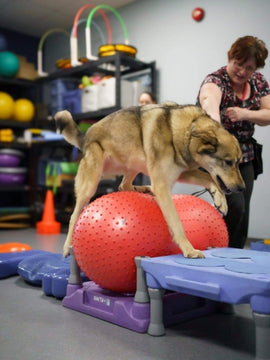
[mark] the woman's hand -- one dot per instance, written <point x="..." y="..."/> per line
<point x="259" y="117"/>
<point x="237" y="114"/>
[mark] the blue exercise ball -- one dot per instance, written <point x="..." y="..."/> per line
<point x="9" y="64"/>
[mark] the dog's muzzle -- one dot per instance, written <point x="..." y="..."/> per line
<point x="227" y="190"/>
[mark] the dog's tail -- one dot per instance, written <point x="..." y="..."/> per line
<point x="66" y="126"/>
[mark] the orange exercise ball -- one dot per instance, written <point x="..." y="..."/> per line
<point x="24" y="110"/>
<point x="6" y="106"/>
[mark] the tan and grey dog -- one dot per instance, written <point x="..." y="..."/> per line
<point x="167" y="142"/>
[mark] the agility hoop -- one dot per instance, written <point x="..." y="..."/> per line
<point x="40" y="46"/>
<point x="96" y="26"/>
<point x="88" y="32"/>
<point x="74" y="36"/>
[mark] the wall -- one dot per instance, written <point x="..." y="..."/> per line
<point x="21" y="44"/>
<point x="185" y="51"/>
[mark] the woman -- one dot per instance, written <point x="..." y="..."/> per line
<point x="239" y="97"/>
<point x="147" y="98"/>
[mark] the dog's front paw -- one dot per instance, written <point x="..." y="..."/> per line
<point x="223" y="208"/>
<point x="194" y="254"/>
<point x="65" y="250"/>
<point x="220" y="202"/>
<point x="221" y="205"/>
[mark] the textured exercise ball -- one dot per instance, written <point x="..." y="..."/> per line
<point x="6" y="106"/>
<point x="115" y="228"/>
<point x="24" y="110"/>
<point x="203" y="224"/>
<point x="9" y="64"/>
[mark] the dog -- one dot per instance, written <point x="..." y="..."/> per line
<point x="169" y="143"/>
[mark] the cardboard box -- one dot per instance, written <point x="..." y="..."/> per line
<point x="27" y="70"/>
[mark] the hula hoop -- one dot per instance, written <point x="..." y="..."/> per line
<point x="74" y="36"/>
<point x="77" y="16"/>
<point x="40" y="45"/>
<point x="119" y="17"/>
<point x="88" y="32"/>
<point x="49" y="32"/>
<point x="96" y="26"/>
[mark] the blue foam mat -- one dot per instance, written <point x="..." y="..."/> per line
<point x="9" y="261"/>
<point x="38" y="267"/>
<point x="34" y="268"/>
<point x="235" y="260"/>
<point x="49" y="270"/>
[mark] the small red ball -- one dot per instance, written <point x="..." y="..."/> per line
<point x="198" y="14"/>
<point x="116" y="227"/>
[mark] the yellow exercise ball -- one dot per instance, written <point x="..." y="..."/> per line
<point x="24" y="110"/>
<point x="6" y="106"/>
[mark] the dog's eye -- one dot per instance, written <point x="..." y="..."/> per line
<point x="228" y="162"/>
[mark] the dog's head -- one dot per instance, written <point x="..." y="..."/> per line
<point x="218" y="152"/>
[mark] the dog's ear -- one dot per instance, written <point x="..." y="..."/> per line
<point x="207" y="141"/>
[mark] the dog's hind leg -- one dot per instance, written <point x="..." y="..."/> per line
<point x="146" y="189"/>
<point x="126" y="183"/>
<point x="86" y="182"/>
<point x="161" y="186"/>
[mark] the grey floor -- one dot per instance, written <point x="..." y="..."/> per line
<point x="34" y="326"/>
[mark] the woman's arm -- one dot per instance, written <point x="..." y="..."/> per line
<point x="210" y="99"/>
<point x="259" y="117"/>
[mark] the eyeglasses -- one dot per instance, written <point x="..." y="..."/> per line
<point x="241" y="66"/>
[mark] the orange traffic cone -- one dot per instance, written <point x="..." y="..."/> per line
<point x="48" y="225"/>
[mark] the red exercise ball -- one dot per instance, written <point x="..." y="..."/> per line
<point x="203" y="224"/>
<point x="116" y="227"/>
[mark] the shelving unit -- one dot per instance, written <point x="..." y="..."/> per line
<point x="118" y="66"/>
<point x="17" y="196"/>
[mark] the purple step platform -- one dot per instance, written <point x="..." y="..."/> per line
<point x="122" y="310"/>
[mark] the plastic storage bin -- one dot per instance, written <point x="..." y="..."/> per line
<point x="107" y="96"/>
<point x="57" y="89"/>
<point x="138" y="88"/>
<point x="90" y="98"/>
<point x="72" y="101"/>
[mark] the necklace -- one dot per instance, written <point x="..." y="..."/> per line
<point x="245" y="92"/>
